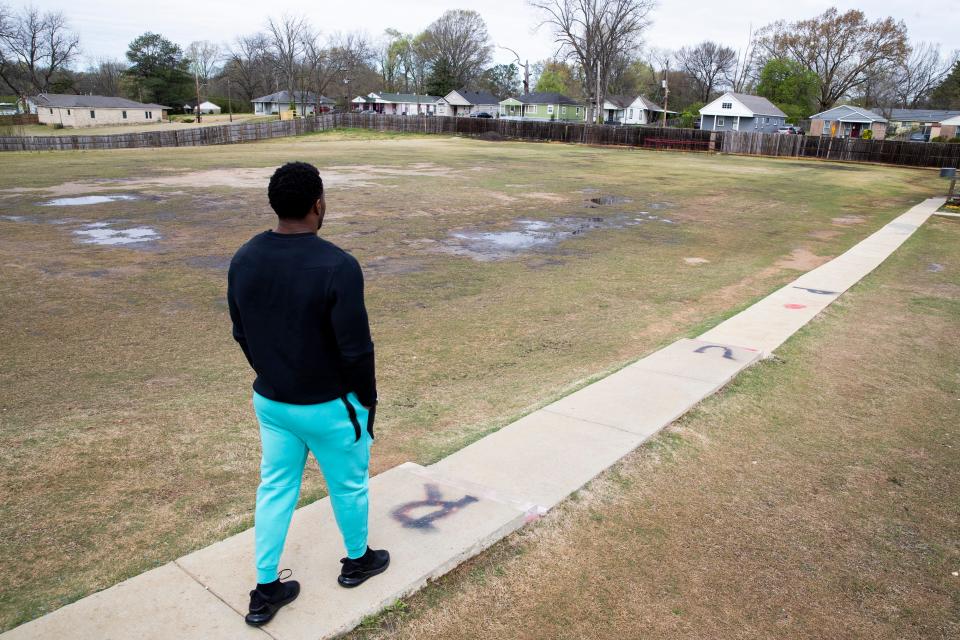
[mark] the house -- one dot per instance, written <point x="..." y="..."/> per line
<point x="927" y="121"/>
<point x="303" y="101"/>
<point x="848" y="121"/>
<point x="205" y="108"/>
<point x="741" y="112"/>
<point x="543" y="106"/>
<point x="950" y="127"/>
<point x="626" y="110"/>
<point x="397" y="103"/>
<point x="91" y="111"/>
<point x="8" y="108"/>
<point x="467" y="103"/>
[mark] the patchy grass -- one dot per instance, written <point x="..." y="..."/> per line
<point x="173" y="124"/>
<point x="126" y="434"/>
<point x="816" y="496"/>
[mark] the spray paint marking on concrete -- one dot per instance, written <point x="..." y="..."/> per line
<point x="821" y="292"/>
<point x="727" y="351"/>
<point x="442" y="509"/>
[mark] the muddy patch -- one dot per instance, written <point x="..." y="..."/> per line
<point x="247" y="178"/>
<point x="542" y="195"/>
<point x="527" y="236"/>
<point x="823" y="234"/>
<point x="603" y="201"/>
<point x="846" y="221"/>
<point x="389" y="266"/>
<point x="104" y="233"/>
<point x="214" y="262"/>
<point x="82" y="201"/>
<point x="801" y="260"/>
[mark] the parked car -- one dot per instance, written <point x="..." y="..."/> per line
<point x="918" y="136"/>
<point x="789" y="130"/>
<point x="481" y="114"/>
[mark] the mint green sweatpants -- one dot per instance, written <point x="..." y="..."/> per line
<point x="336" y="433"/>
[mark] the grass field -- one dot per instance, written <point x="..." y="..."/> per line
<point x="173" y="124"/>
<point x="126" y="435"/>
<point x="815" y="497"/>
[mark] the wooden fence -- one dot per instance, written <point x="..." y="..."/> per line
<point x="192" y="137"/>
<point x="911" y="154"/>
<point x="552" y="131"/>
<point x="19" y="120"/>
<point x="918" y="154"/>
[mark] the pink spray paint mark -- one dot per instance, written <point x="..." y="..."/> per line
<point x="794" y="305"/>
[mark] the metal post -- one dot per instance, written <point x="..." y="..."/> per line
<point x="229" y="100"/>
<point x="196" y="78"/>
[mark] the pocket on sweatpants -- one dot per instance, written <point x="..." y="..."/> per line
<point x="371" y="412"/>
<point x="352" y="412"/>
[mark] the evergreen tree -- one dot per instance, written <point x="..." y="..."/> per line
<point x="947" y="95"/>
<point x="158" y="71"/>
<point x="441" y="79"/>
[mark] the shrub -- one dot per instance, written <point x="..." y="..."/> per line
<point x="58" y="125"/>
<point x="954" y="140"/>
<point x="186" y="119"/>
<point x="939" y="139"/>
<point x="867" y="135"/>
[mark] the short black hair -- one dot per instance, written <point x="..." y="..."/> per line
<point x="294" y="189"/>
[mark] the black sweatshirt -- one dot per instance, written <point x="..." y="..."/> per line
<point x="296" y="302"/>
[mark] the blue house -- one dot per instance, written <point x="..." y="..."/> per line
<point x="741" y="112"/>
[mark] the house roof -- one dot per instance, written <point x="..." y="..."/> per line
<point x="758" y="104"/>
<point x="621" y="101"/>
<point x="848" y="113"/>
<point x="650" y="105"/>
<point x="298" y="96"/>
<point x="955" y="120"/>
<point x="421" y="98"/>
<point x="67" y="100"/>
<point x="922" y="115"/>
<point x="546" y="98"/>
<point x="477" y="97"/>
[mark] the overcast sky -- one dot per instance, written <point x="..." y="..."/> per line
<point x="107" y="26"/>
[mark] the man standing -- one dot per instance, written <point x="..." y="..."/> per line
<point x="296" y="302"/>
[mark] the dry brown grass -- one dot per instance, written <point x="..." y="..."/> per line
<point x="126" y="436"/>
<point x="816" y="497"/>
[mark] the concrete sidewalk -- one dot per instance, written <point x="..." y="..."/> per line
<point x="432" y="519"/>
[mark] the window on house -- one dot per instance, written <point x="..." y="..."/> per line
<point x="726" y="105"/>
<point x="578" y="110"/>
<point x="124" y="115"/>
<point x="630" y="114"/>
<point x="720" y="121"/>
<point x="148" y="115"/>
<point x="68" y="111"/>
<point x="563" y="111"/>
<point x="93" y="114"/>
<point x="533" y="108"/>
<point x="549" y="108"/>
<point x="51" y="111"/>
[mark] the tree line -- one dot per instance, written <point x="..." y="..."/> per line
<point x="803" y="66"/>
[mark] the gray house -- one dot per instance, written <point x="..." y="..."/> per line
<point x="741" y="112"/>
<point x="306" y="101"/>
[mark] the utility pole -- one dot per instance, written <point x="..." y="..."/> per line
<point x="666" y="95"/>
<point x="229" y="100"/>
<point x="599" y="117"/>
<point x="196" y="78"/>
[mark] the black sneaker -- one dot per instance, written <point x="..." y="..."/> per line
<point x="356" y="572"/>
<point x="264" y="604"/>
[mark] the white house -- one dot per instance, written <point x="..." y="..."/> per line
<point x="8" y="108"/>
<point x="304" y="101"/>
<point x="396" y="103"/>
<point x="206" y="107"/>
<point x="91" y="111"/>
<point x="741" y="112"/>
<point x="466" y="103"/>
<point x="950" y="128"/>
<point x="627" y="110"/>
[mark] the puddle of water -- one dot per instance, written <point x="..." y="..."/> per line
<point x="532" y="235"/>
<point x="935" y="267"/>
<point x="101" y="233"/>
<point x="86" y="200"/>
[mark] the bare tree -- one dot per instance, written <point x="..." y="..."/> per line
<point x="285" y="40"/>
<point x="920" y="73"/>
<point x="205" y="57"/>
<point x="458" y="42"/>
<point x="248" y="65"/>
<point x="711" y="65"/>
<point x="105" y="77"/>
<point x="842" y="49"/>
<point x="34" y="48"/>
<point x="595" y="33"/>
<point x="745" y="64"/>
